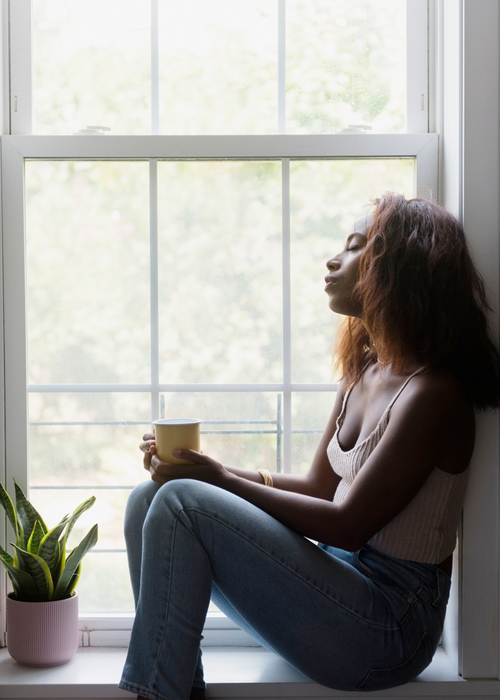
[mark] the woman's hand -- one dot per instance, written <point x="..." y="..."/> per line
<point x="148" y="446"/>
<point x="203" y="468"/>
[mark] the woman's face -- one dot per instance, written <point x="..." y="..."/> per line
<point x="343" y="270"/>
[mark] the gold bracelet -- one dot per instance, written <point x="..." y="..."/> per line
<point x="268" y="479"/>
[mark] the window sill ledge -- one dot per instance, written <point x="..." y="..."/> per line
<point x="93" y="673"/>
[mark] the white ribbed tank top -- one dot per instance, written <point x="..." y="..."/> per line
<point x="425" y="530"/>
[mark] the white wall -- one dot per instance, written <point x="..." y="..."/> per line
<point x="468" y="119"/>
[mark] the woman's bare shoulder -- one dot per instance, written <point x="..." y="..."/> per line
<point x="440" y="387"/>
<point x="436" y="399"/>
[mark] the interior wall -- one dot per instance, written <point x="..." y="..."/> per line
<point x="4" y="66"/>
<point x="481" y="216"/>
<point x="478" y="197"/>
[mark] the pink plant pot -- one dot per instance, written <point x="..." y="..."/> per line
<point x="42" y="634"/>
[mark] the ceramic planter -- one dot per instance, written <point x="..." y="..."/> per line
<point x="42" y="634"/>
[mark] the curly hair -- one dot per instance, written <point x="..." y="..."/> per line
<point x="422" y="298"/>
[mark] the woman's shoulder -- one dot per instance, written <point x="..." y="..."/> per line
<point x="435" y="398"/>
<point x="438" y="384"/>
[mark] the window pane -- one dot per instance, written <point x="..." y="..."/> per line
<point x="77" y="439"/>
<point x="220" y="288"/>
<point x="82" y="445"/>
<point x="104" y="586"/>
<point x="218" y="67"/>
<point x="88" y="272"/>
<point x="327" y="196"/>
<point x="310" y="413"/>
<point x="346" y="65"/>
<point x="92" y="65"/>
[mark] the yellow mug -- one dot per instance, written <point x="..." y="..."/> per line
<point x="176" y="434"/>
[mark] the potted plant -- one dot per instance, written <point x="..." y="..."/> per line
<point x="42" y="610"/>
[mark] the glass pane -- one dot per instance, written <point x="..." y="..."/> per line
<point x="326" y="198"/>
<point x="92" y="65"/>
<point x="218" y="67"/>
<point x="104" y="586"/>
<point x="88" y="272"/>
<point x="238" y="429"/>
<point x="80" y="439"/>
<point x="82" y="445"/>
<point x="310" y="413"/>
<point x="220" y="283"/>
<point x="346" y="65"/>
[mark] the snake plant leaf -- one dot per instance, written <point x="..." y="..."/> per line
<point x="22" y="582"/>
<point x="76" y="514"/>
<point x="73" y="562"/>
<point x="27" y="514"/>
<point x="50" y="548"/>
<point x="35" y="539"/>
<point x="5" y="557"/>
<point x="74" y="580"/>
<point x="71" y="521"/>
<point x="6" y="502"/>
<point x="37" y="568"/>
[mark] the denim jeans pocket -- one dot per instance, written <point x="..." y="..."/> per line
<point x="383" y="678"/>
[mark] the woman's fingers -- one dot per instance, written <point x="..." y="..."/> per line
<point x="163" y="467"/>
<point x="147" y="444"/>
<point x="192" y="456"/>
<point x="147" y="456"/>
<point x="158" y="478"/>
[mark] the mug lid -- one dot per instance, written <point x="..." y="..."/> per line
<point x="176" y="421"/>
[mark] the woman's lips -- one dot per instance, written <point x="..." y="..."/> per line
<point x="329" y="284"/>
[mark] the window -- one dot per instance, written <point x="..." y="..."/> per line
<point x="173" y="265"/>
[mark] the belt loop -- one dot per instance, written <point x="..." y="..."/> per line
<point x="438" y="587"/>
<point x="441" y="584"/>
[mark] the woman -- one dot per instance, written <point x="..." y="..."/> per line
<point x="364" y="609"/>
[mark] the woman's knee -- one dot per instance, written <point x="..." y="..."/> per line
<point x="179" y="495"/>
<point x="138" y="505"/>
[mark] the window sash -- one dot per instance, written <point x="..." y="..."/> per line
<point x="22" y="117"/>
<point x="17" y="149"/>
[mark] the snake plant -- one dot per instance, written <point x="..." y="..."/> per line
<point x="40" y="571"/>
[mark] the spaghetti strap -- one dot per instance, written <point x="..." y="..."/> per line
<point x="393" y="401"/>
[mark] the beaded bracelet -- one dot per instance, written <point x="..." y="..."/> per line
<point x="268" y="479"/>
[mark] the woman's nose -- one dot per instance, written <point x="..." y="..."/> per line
<point x="333" y="265"/>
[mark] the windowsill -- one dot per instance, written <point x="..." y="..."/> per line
<point x="230" y="673"/>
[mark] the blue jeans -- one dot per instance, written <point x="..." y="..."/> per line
<point x="347" y="620"/>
